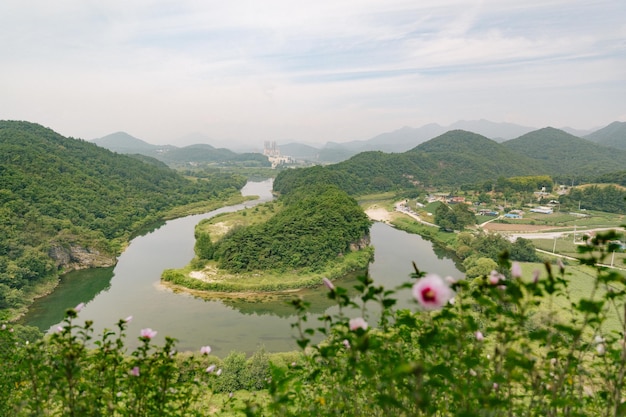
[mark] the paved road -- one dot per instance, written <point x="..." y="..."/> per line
<point x="404" y="209"/>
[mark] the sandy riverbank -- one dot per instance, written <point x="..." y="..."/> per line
<point x="378" y="214"/>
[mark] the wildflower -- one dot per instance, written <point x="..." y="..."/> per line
<point x="450" y="280"/>
<point x="495" y="386"/>
<point x="4" y="326"/>
<point x="600" y="349"/>
<point x="79" y="307"/>
<point x="516" y="270"/>
<point x="148" y="333"/>
<point x="211" y="368"/>
<point x="495" y="277"/>
<point x="472" y="372"/>
<point x="357" y="323"/>
<point x="135" y="371"/>
<point x="346" y="343"/>
<point x="328" y="284"/>
<point x="536" y="273"/>
<point x="230" y="395"/>
<point x="219" y="372"/>
<point x="431" y="292"/>
<point x="128" y="319"/>
<point x="205" y="350"/>
<point x="479" y="336"/>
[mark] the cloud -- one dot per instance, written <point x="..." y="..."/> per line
<point x="325" y="70"/>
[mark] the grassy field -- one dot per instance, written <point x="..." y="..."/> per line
<point x="581" y="283"/>
<point x="565" y="246"/>
<point x="218" y="226"/>
<point x="596" y="219"/>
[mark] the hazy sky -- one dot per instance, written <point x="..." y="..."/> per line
<point x="315" y="71"/>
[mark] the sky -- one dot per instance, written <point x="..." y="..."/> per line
<point x="244" y="71"/>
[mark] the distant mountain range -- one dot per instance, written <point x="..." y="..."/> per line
<point x="460" y="158"/>
<point x="124" y="143"/>
<point x="401" y="140"/>
<point x="406" y="138"/>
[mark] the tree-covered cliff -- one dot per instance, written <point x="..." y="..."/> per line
<point x="69" y="203"/>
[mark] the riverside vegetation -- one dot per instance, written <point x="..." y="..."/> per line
<point x="310" y="233"/>
<point x="472" y="347"/>
<point x="507" y="345"/>
<point x="67" y="204"/>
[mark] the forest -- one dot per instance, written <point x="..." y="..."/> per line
<point x="58" y="193"/>
<point x="316" y="224"/>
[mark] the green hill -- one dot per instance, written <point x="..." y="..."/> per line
<point x="68" y="203"/>
<point x="613" y="135"/>
<point x="455" y="158"/>
<point x="173" y="156"/>
<point x="461" y="157"/>
<point x="122" y="142"/>
<point x="567" y="155"/>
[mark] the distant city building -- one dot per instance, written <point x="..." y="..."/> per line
<point x="271" y="149"/>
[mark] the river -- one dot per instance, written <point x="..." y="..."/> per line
<point x="132" y="288"/>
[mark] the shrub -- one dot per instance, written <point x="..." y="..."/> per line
<point x="484" y="352"/>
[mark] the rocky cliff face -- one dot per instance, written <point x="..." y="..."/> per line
<point x="362" y="243"/>
<point x="75" y="257"/>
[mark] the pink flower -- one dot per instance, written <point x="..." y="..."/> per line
<point x="346" y="343"/>
<point x="205" y="350"/>
<point x="328" y="284"/>
<point x="536" y="273"/>
<point x="357" y="323"/>
<point x="210" y="369"/>
<point x="148" y="333"/>
<point x="495" y="277"/>
<point x="516" y="270"/>
<point x="135" y="371"/>
<point x="79" y="307"/>
<point x="432" y="292"/>
<point x="479" y="336"/>
<point x="128" y="319"/>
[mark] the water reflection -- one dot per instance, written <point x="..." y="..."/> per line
<point x="75" y="287"/>
<point x="279" y="305"/>
<point x="133" y="288"/>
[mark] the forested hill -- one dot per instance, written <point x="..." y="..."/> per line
<point x="454" y="158"/>
<point x="613" y="135"/>
<point x="459" y="158"/>
<point x="565" y="154"/>
<point x="61" y="195"/>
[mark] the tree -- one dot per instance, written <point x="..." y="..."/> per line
<point x="204" y="248"/>
<point x="523" y="250"/>
<point x="479" y="267"/>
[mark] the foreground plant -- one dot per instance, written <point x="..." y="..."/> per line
<point x="494" y="346"/>
<point x="62" y="376"/>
